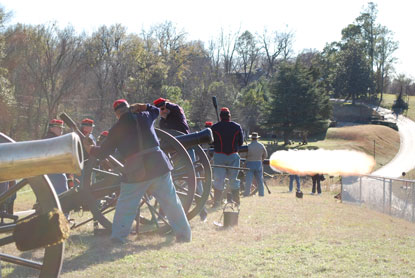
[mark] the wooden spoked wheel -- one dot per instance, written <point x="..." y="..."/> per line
<point x="100" y="197"/>
<point x="203" y="171"/>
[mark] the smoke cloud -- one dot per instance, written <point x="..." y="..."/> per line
<point x="331" y="162"/>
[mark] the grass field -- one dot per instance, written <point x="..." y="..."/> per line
<point x="277" y="236"/>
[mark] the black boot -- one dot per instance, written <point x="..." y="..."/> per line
<point x="235" y="196"/>
<point x="217" y="198"/>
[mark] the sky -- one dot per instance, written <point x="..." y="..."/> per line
<point x="313" y="22"/>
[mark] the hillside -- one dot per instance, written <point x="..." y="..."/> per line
<point x="372" y="139"/>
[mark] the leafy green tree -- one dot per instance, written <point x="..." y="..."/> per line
<point x="353" y="74"/>
<point x="297" y="103"/>
<point x="378" y="44"/>
<point x="252" y="104"/>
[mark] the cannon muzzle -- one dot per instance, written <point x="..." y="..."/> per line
<point x="62" y="154"/>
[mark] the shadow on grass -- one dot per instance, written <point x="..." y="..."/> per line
<point x="100" y="249"/>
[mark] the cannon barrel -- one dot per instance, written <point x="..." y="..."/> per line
<point x="62" y="154"/>
<point x="264" y="162"/>
<point x="241" y="149"/>
<point x="192" y="139"/>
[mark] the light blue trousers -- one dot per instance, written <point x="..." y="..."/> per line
<point x="255" y="170"/>
<point x="163" y="190"/>
<point x="297" y="179"/>
<point x="219" y="174"/>
<point x="199" y="184"/>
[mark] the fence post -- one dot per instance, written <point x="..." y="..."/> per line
<point x="384" y="194"/>
<point x="413" y="202"/>
<point x="390" y="197"/>
<point x="360" y="189"/>
<point x="341" y="190"/>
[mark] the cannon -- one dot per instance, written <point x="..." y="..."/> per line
<point x="99" y="195"/>
<point x="27" y="163"/>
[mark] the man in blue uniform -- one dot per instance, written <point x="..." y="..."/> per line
<point x="228" y="137"/>
<point x="124" y="136"/>
<point x="87" y="126"/>
<point x="58" y="180"/>
<point x="173" y="117"/>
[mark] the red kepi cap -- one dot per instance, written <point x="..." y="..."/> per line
<point x="119" y="103"/>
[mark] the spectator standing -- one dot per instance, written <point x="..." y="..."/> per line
<point x="297" y="179"/>
<point x="316" y="183"/>
<point x="256" y="155"/>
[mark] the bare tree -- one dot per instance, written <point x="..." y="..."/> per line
<point x="228" y="45"/>
<point x="248" y="51"/>
<point x="277" y="45"/>
<point x="384" y="59"/>
<point x="50" y="64"/>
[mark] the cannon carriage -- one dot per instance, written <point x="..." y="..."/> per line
<point x="27" y="163"/>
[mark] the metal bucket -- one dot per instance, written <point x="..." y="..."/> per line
<point x="230" y="215"/>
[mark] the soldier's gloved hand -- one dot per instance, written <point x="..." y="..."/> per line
<point x="88" y="147"/>
<point x="86" y="141"/>
<point x="138" y="107"/>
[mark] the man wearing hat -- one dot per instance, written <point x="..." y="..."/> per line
<point x="59" y="181"/>
<point x="55" y="128"/>
<point x="87" y="126"/>
<point x="208" y="124"/>
<point x="172" y="116"/>
<point x="134" y="137"/>
<point x="228" y="138"/>
<point x="256" y="155"/>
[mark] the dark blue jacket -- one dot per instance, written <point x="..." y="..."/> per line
<point x="227" y="137"/>
<point x="175" y="119"/>
<point x="123" y="137"/>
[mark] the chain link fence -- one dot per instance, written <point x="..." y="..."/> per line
<point x="395" y="197"/>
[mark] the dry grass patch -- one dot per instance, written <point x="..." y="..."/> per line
<point x="380" y="140"/>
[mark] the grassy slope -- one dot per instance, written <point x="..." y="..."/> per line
<point x="360" y="138"/>
<point x="277" y="236"/>
<point x="375" y="140"/>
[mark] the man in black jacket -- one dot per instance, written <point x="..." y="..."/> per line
<point x="172" y="116"/>
<point x="228" y="137"/>
<point x="124" y="136"/>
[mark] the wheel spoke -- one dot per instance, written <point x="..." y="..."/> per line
<point x="12" y="190"/>
<point x="21" y="261"/>
<point x="7" y="228"/>
<point x="6" y="240"/>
